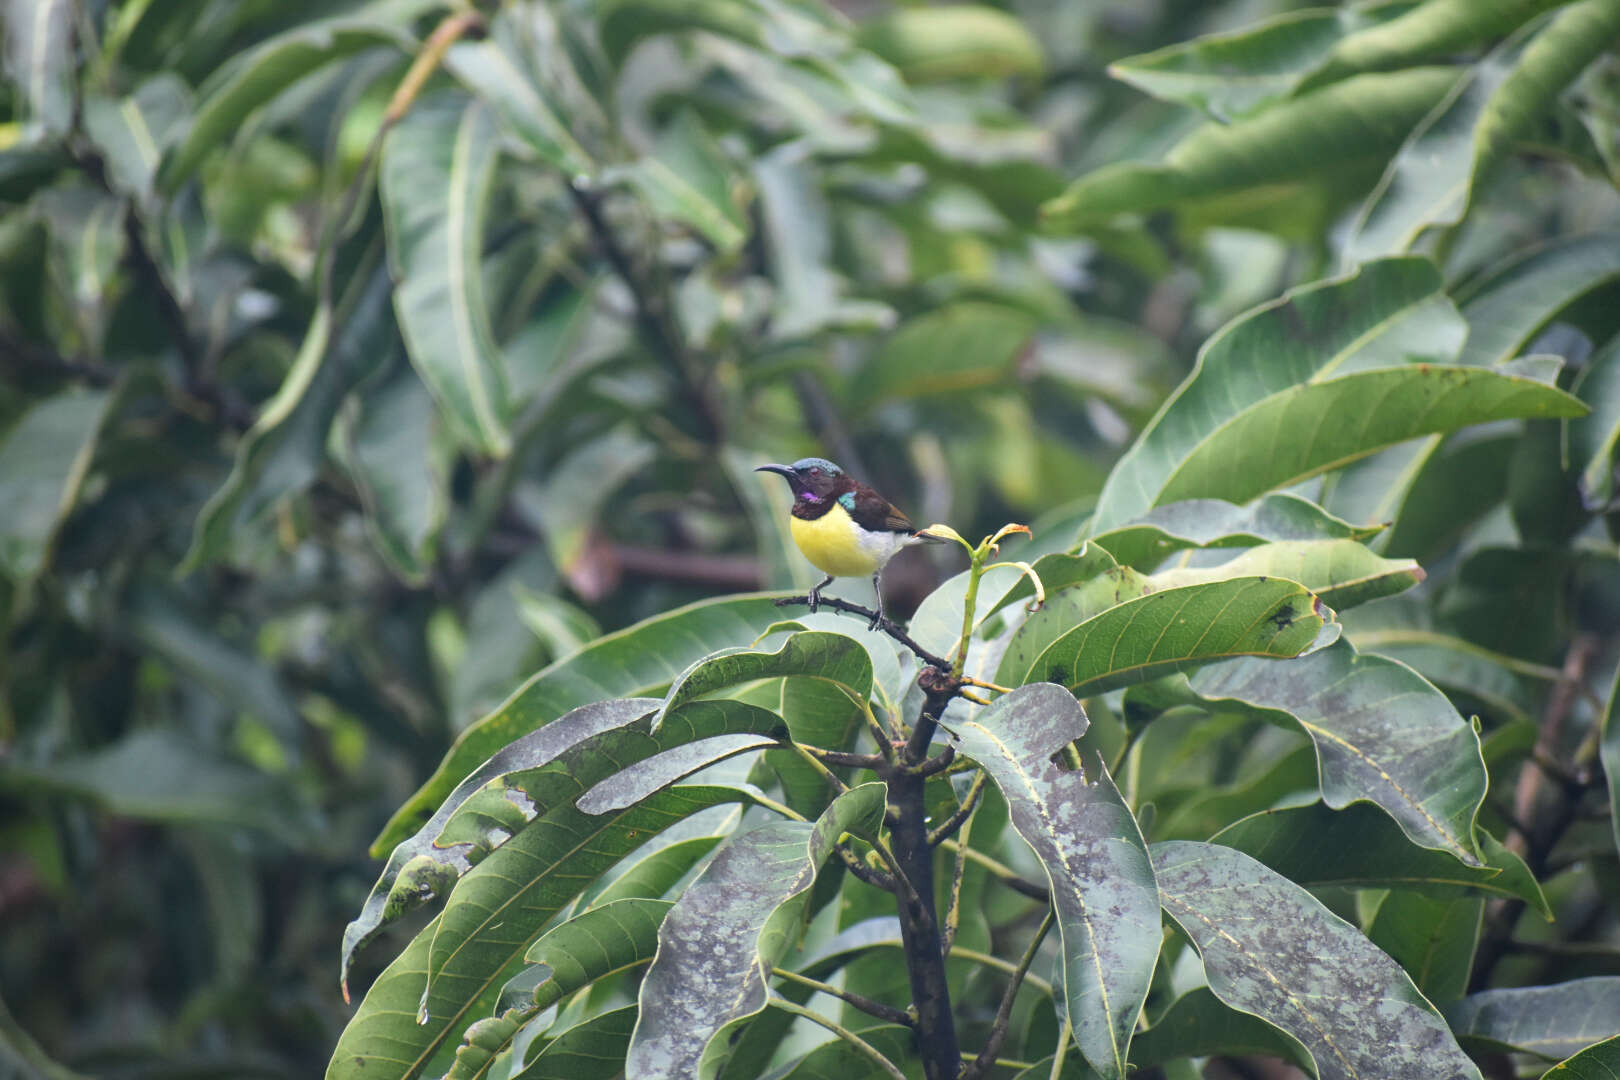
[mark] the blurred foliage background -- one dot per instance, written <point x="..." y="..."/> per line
<point x="347" y="381"/>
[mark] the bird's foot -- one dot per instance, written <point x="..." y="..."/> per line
<point x="877" y="621"/>
<point x="815" y="600"/>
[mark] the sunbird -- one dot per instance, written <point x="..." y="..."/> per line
<point x="845" y="528"/>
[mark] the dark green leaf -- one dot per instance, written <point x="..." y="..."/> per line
<point x="1383" y="315"/>
<point x="1360" y="847"/>
<point x="655" y="874"/>
<point x="1507" y="308"/>
<point x="132" y="132"/>
<point x="1593" y="439"/>
<point x="494" y="69"/>
<point x="929" y="44"/>
<point x="1199" y="1025"/>
<point x="838" y="1060"/>
<point x="255" y="77"/>
<point x="1357" y="123"/>
<point x="597" y="943"/>
<point x="1269" y="948"/>
<point x="640" y="659"/>
<point x="832" y="658"/>
<point x="965" y="346"/>
<point x="1382" y="734"/>
<point x="1459" y="667"/>
<point x="590" y="1050"/>
<point x="1213" y="523"/>
<point x="438" y="165"/>
<point x="1342" y="573"/>
<point x="1094" y="857"/>
<point x="1434" y="940"/>
<point x="1433" y="29"/>
<point x="43" y="462"/>
<point x="1599" y="1062"/>
<point x="1550" y="1021"/>
<point x="687" y="178"/>
<point x="388" y="450"/>
<point x="719" y="942"/>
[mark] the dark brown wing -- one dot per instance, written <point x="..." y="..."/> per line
<point x="872" y="511"/>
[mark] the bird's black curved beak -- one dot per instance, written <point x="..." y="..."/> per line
<point x="781" y="470"/>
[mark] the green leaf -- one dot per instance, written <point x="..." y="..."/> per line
<point x="1180" y="628"/>
<point x="132" y="132"/>
<point x="637" y="660"/>
<point x="1599" y="1062"/>
<point x="1434" y="940"/>
<point x="1236" y="74"/>
<point x="838" y="1060"/>
<point x="568" y="505"/>
<point x="1508" y="307"/>
<point x="933" y="44"/>
<point x="401" y="1027"/>
<point x="1343" y="128"/>
<point x="43" y="462"/>
<point x="255" y="77"/>
<point x="1594" y="438"/>
<point x="590" y="1050"/>
<point x="1270" y="948"/>
<point x="1199" y="1025"/>
<point x="387" y="448"/>
<point x="1093" y="854"/>
<point x="87" y="236"/>
<point x="438" y="166"/>
<point x="1342" y="573"/>
<point x="594" y="944"/>
<point x="1379" y="316"/>
<point x="1432" y="180"/>
<point x="1213" y="523"/>
<point x="1609" y="753"/>
<point x="653" y="875"/>
<point x="1433" y="29"/>
<point x="1550" y="1021"/>
<point x="40" y="60"/>
<point x="495" y="70"/>
<point x="687" y="178"/>
<point x="1382" y="735"/>
<point x="833" y="658"/>
<point x="515" y="789"/>
<point x="1458" y="666"/>
<point x="967" y="345"/>
<point x="282" y="454"/>
<point x="1361" y="847"/>
<point x="718" y="944"/>
<point x="1436" y="493"/>
<point x="161" y="775"/>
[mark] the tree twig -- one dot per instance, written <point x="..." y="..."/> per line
<point x="887" y="1013"/>
<point x="884" y="624"/>
<point x="842" y="1032"/>
<point x="951" y="824"/>
<point x="998" y="1029"/>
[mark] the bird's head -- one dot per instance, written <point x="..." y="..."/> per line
<point x="813" y="479"/>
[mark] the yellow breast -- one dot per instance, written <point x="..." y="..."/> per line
<point x="833" y="543"/>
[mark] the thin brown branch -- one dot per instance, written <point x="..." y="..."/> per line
<point x="887" y="1013"/>
<point x="884" y="624"/>
<point x="948" y="827"/>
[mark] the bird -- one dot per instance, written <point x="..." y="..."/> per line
<point x="844" y="527"/>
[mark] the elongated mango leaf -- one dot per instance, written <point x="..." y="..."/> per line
<point x="1507" y="308"/>
<point x="1599" y="1062"/>
<point x="1593" y="439"/>
<point x="590" y="1050"/>
<point x="1432" y="180"/>
<point x="963" y="346"/>
<point x="1362" y="847"/>
<point x="521" y="784"/>
<point x="388" y="451"/>
<point x="438" y="165"/>
<point x="718" y="944"/>
<point x="653" y="875"/>
<point x="1344" y="127"/>
<point x="495" y="70"/>
<point x="1433" y="29"/>
<point x="1199" y="1025"/>
<point x="1271" y="949"/>
<point x="1343" y="573"/>
<point x="1094" y="856"/>
<point x="1500" y="683"/>
<point x="1609" y="753"/>
<point x="687" y="178"/>
<point x="1382" y="734"/>
<point x="1233" y="75"/>
<point x="1380" y="316"/>
<point x="43" y="462"/>
<point x="282" y="453"/>
<point x="1215" y="523"/>
<point x="400" y="1028"/>
<point x="39" y="59"/>
<point x="593" y="945"/>
<point x="1432" y="939"/>
<point x="259" y="75"/>
<point x="1185" y="627"/>
<point x="1549" y="1021"/>
<point x="132" y="132"/>
<point x="812" y="654"/>
<point x="1078" y="587"/>
<point x="952" y="42"/>
<point x="637" y="660"/>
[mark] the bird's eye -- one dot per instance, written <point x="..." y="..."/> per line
<point x="815" y="472"/>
